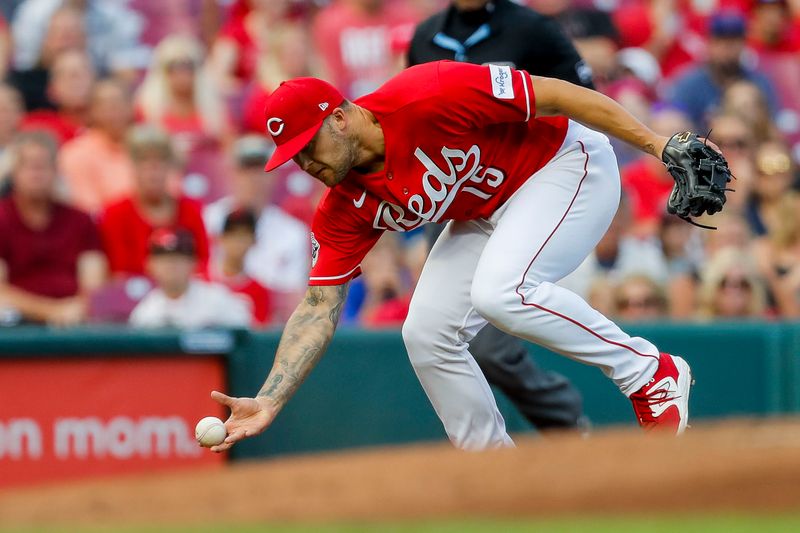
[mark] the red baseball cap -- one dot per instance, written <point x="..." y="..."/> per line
<point x="294" y="113"/>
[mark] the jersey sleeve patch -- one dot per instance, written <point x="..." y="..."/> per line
<point x="502" y="86"/>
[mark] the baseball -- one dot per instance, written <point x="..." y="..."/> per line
<point x="210" y="431"/>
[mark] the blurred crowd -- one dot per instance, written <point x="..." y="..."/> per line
<point x="132" y="149"/>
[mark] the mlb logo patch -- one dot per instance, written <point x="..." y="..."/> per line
<point x="502" y="88"/>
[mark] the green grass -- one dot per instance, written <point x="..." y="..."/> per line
<point x="607" y="524"/>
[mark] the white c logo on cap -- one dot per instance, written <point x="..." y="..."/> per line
<point x="277" y="131"/>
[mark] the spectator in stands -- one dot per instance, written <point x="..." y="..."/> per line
<point x="112" y="33"/>
<point x="663" y="28"/>
<point x="386" y="294"/>
<point x="11" y="113"/>
<point x="179" y="96"/>
<point x="596" y="39"/>
<point x="180" y="300"/>
<point x="280" y="258"/>
<point x="237" y="237"/>
<point x="732" y="232"/>
<point x="744" y="98"/>
<point x="361" y="42"/>
<point x="772" y="29"/>
<point x="199" y="18"/>
<point x="50" y="258"/>
<point x="241" y="41"/>
<point x="730" y="287"/>
<point x="730" y="131"/>
<point x="774" y="179"/>
<point x="290" y="55"/>
<point x="127" y="224"/>
<point x="69" y="90"/>
<point x="65" y="30"/>
<point x="699" y="91"/>
<point x="778" y="257"/>
<point x="639" y="298"/>
<point x="682" y="251"/>
<point x="95" y="165"/>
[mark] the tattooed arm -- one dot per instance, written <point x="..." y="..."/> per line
<point x="305" y="338"/>
<point x="599" y="112"/>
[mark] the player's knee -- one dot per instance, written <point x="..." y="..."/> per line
<point x="489" y="298"/>
<point x="416" y="330"/>
<point x="501" y="302"/>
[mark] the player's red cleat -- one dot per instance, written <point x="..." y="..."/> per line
<point x="664" y="402"/>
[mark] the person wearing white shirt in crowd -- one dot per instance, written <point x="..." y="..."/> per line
<point x="179" y="300"/>
<point x="280" y="258"/>
<point x="113" y="32"/>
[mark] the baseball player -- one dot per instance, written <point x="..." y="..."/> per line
<point x="507" y="33"/>
<point x="528" y="191"/>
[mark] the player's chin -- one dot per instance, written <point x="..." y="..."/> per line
<point x="330" y="178"/>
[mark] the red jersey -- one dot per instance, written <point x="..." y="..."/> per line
<point x="60" y="126"/>
<point x="125" y="233"/>
<point x="648" y="188"/>
<point x="259" y="296"/>
<point x="45" y="261"/>
<point x="460" y="139"/>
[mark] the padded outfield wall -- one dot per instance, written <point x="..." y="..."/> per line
<point x="74" y="402"/>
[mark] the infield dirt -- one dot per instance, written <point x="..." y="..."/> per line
<point x="740" y="466"/>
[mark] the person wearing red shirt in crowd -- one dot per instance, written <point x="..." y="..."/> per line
<point x="772" y="29"/>
<point x="670" y="30"/>
<point x="356" y="41"/>
<point x="386" y="299"/>
<point x="69" y="89"/>
<point x="126" y="225"/>
<point x="244" y="38"/>
<point x="50" y="256"/>
<point x="290" y="56"/>
<point x="529" y="191"/>
<point x="237" y="237"/>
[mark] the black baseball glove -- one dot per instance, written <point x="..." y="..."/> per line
<point x="701" y="176"/>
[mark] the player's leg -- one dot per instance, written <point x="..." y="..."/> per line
<point x="543" y="233"/>
<point x="440" y="323"/>
<point x="547" y="399"/>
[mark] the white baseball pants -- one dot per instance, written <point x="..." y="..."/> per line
<point x="503" y="270"/>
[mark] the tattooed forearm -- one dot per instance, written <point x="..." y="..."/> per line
<point x="306" y="337"/>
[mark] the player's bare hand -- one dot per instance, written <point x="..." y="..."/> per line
<point x="712" y="145"/>
<point x="249" y="416"/>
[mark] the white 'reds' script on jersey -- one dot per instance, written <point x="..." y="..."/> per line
<point x="440" y="187"/>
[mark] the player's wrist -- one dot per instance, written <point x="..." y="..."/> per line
<point x="268" y="404"/>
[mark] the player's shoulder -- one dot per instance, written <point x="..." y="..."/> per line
<point x="411" y="86"/>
